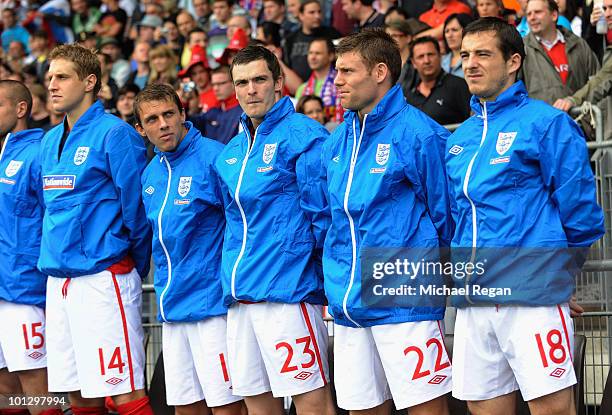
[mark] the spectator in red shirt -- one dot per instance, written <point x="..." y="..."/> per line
<point x="438" y="13"/>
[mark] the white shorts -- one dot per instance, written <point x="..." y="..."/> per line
<point x="22" y="337"/>
<point x="95" y="338"/>
<point x="195" y="362"/>
<point x="277" y="347"/>
<point x="498" y="350"/>
<point x="405" y="361"/>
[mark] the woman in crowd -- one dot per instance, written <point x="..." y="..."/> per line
<point x="163" y="65"/>
<point x="312" y="107"/>
<point x="453" y="29"/>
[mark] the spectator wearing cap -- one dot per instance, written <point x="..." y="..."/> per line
<point x="88" y="40"/>
<point x="442" y="96"/>
<point x="557" y="62"/>
<point x="363" y="12"/>
<point x="140" y="55"/>
<point x="198" y="71"/>
<point x="296" y="45"/>
<point x="321" y="56"/>
<point x="146" y="28"/>
<point x="120" y="68"/>
<point x="112" y="22"/>
<point x="238" y="41"/>
<point x="276" y="11"/>
<point x="163" y="65"/>
<point x="12" y="31"/>
<point x="84" y="17"/>
<point x="220" y="123"/>
<point x="453" y="33"/>
<point x="438" y="13"/>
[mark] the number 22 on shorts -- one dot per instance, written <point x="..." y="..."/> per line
<point x="438" y="366"/>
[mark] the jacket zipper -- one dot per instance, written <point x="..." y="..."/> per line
<point x="161" y="240"/>
<point x="4" y="145"/>
<point x="349" y="183"/>
<point x="466" y="193"/>
<point x="242" y="214"/>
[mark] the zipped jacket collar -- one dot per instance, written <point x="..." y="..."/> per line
<point x="185" y="144"/>
<point x="383" y="112"/>
<point x="511" y="97"/>
<point x="281" y="109"/>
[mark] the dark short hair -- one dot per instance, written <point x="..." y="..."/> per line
<point x="365" y="2"/>
<point x="375" y="46"/>
<point x="328" y="42"/>
<point x="271" y="32"/>
<point x="278" y="2"/>
<point x="222" y="69"/>
<point x="399" y="11"/>
<point x="551" y="4"/>
<point x="509" y="41"/>
<point x="299" y="107"/>
<point x="196" y="30"/>
<point x="17" y="92"/>
<point x="305" y="3"/>
<point x="125" y="89"/>
<point x="254" y="53"/>
<point x="156" y="92"/>
<point x="463" y="19"/>
<point x="84" y="60"/>
<point x="423" y="40"/>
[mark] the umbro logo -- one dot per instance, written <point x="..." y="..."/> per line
<point x="336" y="159"/>
<point x="436" y="380"/>
<point x="454" y="150"/>
<point x="114" y="381"/>
<point x="557" y="373"/>
<point x="36" y="355"/>
<point x="233" y="160"/>
<point x="303" y="375"/>
<point x="149" y="190"/>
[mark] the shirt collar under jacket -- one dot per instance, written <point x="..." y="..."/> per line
<point x="25" y="134"/>
<point x="186" y="143"/>
<point x="282" y="108"/>
<point x="392" y="103"/>
<point x="550" y="45"/>
<point x="509" y="98"/>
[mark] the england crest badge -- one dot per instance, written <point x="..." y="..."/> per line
<point x="81" y="155"/>
<point x="382" y="153"/>
<point x="12" y="168"/>
<point x="504" y="142"/>
<point x="184" y="186"/>
<point x="268" y="152"/>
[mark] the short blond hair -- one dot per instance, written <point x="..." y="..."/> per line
<point x="84" y="60"/>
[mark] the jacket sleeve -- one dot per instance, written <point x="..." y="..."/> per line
<point x="567" y="173"/>
<point x="598" y="87"/>
<point x="311" y="184"/>
<point x="434" y="187"/>
<point x="126" y="158"/>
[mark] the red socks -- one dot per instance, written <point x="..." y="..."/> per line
<point x="89" y="411"/>
<point x="138" y="407"/>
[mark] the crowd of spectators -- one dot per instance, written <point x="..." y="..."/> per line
<point x="191" y="43"/>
